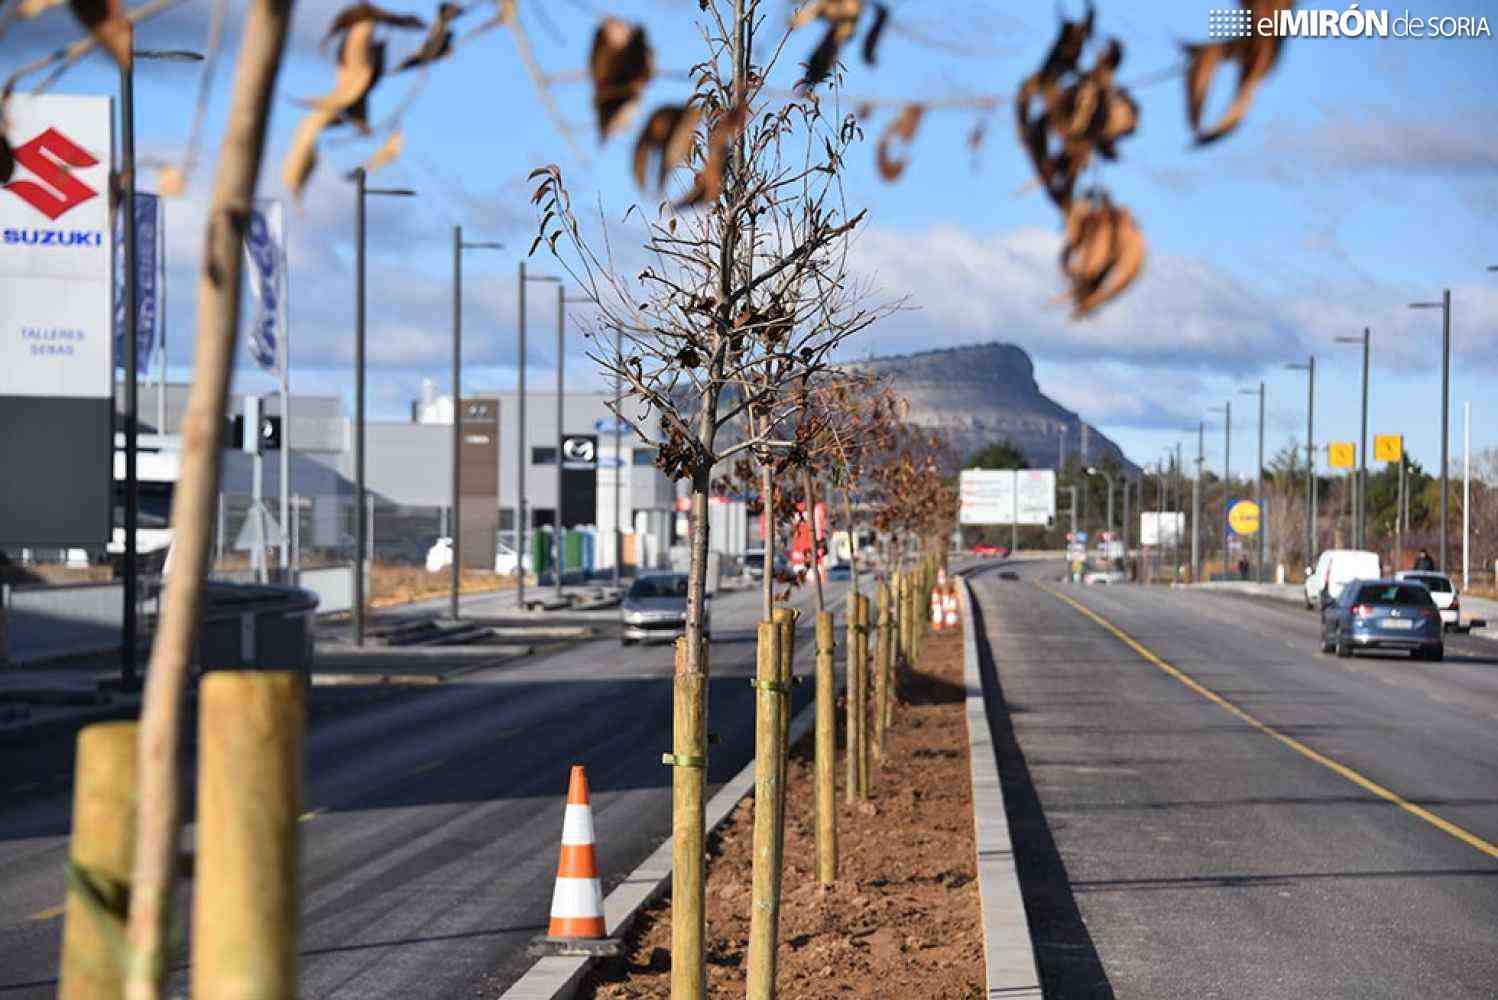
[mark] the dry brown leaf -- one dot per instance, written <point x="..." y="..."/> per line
<point x="902" y="129"/>
<point x="620" y="65"/>
<point x="368" y="13"/>
<point x="666" y="138"/>
<point x="171" y="182"/>
<point x="358" y="70"/>
<point x="391" y="148"/>
<point x="1254" y="55"/>
<point x="106" y="21"/>
<point x="876" y="32"/>
<point x="31" y="8"/>
<point x="1103" y="252"/>
<point x="841" y="17"/>
<point x="438" y="44"/>
<point x="709" y="180"/>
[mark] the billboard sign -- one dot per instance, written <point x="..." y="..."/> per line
<point x="148" y="242"/>
<point x="1342" y="454"/>
<point x="1007" y="496"/>
<point x="56" y="251"/>
<point x="1162" y="527"/>
<point x="56" y="322"/>
<point x="1243" y="517"/>
<point x="1388" y="447"/>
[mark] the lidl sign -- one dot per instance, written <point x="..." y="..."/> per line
<point x="1243" y="517"/>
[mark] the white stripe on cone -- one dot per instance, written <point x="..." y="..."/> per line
<point x="577" y="825"/>
<point x="577" y="897"/>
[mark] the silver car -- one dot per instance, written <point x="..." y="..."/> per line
<point x="655" y="607"/>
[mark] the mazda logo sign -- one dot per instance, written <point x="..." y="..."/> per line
<point x="579" y="449"/>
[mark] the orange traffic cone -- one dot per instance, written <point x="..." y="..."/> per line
<point x="577" y="901"/>
<point x="951" y="602"/>
<point x="936" y="611"/>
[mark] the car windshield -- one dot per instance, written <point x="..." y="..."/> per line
<point x="1394" y="593"/>
<point x="1435" y="584"/>
<point x="659" y="586"/>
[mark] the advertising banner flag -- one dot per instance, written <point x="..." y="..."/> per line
<point x="147" y="257"/>
<point x="264" y="241"/>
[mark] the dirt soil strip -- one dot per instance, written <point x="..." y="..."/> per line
<point x="903" y="919"/>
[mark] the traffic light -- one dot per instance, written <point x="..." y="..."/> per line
<point x="267" y="436"/>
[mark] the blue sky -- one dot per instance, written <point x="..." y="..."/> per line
<point x="1365" y="176"/>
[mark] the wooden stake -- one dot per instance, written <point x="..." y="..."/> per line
<point x="861" y="659"/>
<point x="246" y="890"/>
<point x="786" y="619"/>
<point x="826" y="752"/>
<point x="688" y="851"/>
<point x="881" y="671"/>
<point x="764" y="919"/>
<point x="194" y="501"/>
<point x="852" y="726"/>
<point x="99" y="857"/>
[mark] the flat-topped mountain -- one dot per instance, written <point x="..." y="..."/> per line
<point x="987" y="392"/>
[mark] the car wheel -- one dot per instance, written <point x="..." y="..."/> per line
<point x="1343" y="648"/>
<point x="1327" y="645"/>
<point x="626" y="642"/>
<point x="1436" y="654"/>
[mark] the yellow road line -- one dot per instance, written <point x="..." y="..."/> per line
<point x="1367" y="784"/>
<point x="48" y="913"/>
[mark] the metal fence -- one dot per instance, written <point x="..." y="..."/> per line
<point x="322" y="532"/>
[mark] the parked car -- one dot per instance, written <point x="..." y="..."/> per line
<point x="1442" y="591"/>
<point x="1382" y="614"/>
<point x="1335" y="569"/>
<point x="655" y="607"/>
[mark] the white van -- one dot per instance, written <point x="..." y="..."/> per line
<point x="1333" y="571"/>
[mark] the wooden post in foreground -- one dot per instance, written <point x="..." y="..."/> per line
<point x="861" y="657"/>
<point x="881" y="671"/>
<point x="764" y="919"/>
<point x="247" y="892"/>
<point x="99" y="857"/>
<point x="853" y="729"/>
<point x="688" y="856"/>
<point x="786" y="618"/>
<point x="826" y="752"/>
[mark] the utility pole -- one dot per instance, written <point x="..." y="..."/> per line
<point x="619" y="465"/>
<point x="1466" y="494"/>
<point x="1196" y="502"/>
<point x="1259" y="482"/>
<point x="521" y="443"/>
<point x="1310" y="369"/>
<point x="1360" y="508"/>
<point x="561" y="356"/>
<point x="1445" y="306"/>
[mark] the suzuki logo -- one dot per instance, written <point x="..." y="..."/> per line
<point x="49" y="156"/>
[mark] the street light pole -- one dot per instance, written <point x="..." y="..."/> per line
<point x="1310" y="369"/>
<point x="455" y="521"/>
<point x="129" y="677"/>
<point x="520" y="442"/>
<point x="1445" y="306"/>
<point x="361" y="536"/>
<point x="1259" y="482"/>
<point x="1360" y="512"/>
<point x="619" y="465"/>
<point x="1196" y="501"/>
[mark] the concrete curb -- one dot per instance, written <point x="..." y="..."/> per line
<point x="558" y="978"/>
<point x="1008" y="951"/>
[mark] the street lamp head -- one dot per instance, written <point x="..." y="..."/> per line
<point x="169" y="55"/>
<point x="1349" y="340"/>
<point x="392" y="192"/>
<point x="483" y="246"/>
<point x="1248" y="392"/>
<point x="1427" y="305"/>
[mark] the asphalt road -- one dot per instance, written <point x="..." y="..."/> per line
<point x="1170" y="848"/>
<point x="430" y="846"/>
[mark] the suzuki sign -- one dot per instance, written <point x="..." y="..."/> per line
<point x="56" y="321"/>
<point x="56" y="334"/>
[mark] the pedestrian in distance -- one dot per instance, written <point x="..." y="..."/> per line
<point x="1425" y="562"/>
<point x="1243" y="567"/>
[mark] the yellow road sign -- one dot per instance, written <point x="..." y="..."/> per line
<point x="1388" y="447"/>
<point x="1342" y="454"/>
<point x="1243" y="517"/>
